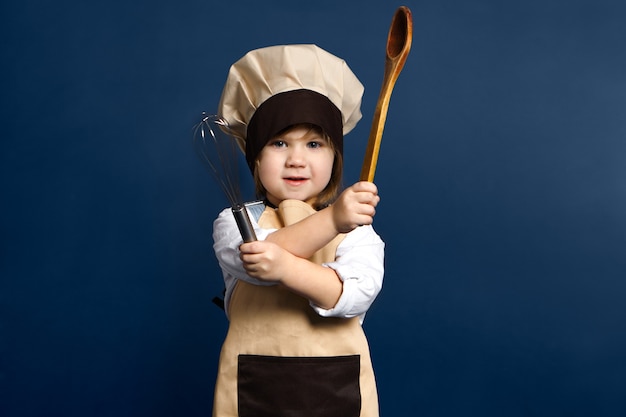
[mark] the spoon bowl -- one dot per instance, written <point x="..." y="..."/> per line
<point x="398" y="46"/>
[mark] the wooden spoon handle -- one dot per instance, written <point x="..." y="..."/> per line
<point x="398" y="47"/>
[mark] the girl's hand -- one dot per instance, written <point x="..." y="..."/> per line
<point x="265" y="261"/>
<point x="356" y="206"/>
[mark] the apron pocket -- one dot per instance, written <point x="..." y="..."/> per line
<point x="272" y="386"/>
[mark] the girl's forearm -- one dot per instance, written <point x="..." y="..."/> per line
<point x="319" y="284"/>
<point x="307" y="236"/>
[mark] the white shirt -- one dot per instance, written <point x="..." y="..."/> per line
<point x="359" y="263"/>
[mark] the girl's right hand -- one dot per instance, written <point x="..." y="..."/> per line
<point x="264" y="260"/>
<point x="356" y="206"/>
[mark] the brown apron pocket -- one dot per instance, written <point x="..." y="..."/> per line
<point x="271" y="386"/>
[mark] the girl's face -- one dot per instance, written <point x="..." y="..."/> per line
<point x="296" y="164"/>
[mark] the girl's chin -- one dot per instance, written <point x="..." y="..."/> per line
<point x="277" y="200"/>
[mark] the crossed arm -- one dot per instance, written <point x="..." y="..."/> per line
<point x="282" y="256"/>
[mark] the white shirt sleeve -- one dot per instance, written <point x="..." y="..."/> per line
<point x="359" y="264"/>
<point x="226" y="242"/>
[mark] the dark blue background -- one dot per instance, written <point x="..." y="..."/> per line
<point x="502" y="175"/>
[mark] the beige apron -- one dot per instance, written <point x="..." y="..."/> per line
<point x="280" y="358"/>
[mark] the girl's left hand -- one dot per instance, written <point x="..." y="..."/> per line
<point x="264" y="260"/>
<point x="355" y="206"/>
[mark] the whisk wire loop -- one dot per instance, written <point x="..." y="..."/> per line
<point x="218" y="151"/>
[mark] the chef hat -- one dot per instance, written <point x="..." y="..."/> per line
<point x="272" y="88"/>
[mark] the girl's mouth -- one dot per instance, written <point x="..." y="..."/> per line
<point x="294" y="180"/>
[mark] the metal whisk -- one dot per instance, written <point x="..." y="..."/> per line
<point x="218" y="151"/>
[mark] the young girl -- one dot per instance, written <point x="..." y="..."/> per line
<point x="296" y="298"/>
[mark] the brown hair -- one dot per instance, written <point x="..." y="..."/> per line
<point x="332" y="189"/>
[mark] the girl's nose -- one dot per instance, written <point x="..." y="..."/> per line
<point x="295" y="158"/>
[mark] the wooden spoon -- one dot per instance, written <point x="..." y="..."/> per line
<point x="398" y="47"/>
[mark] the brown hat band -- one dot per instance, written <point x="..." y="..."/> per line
<point x="291" y="108"/>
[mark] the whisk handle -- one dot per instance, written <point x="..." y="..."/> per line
<point x="243" y="223"/>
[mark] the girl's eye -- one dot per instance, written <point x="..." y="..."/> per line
<point x="278" y="144"/>
<point x="315" y="144"/>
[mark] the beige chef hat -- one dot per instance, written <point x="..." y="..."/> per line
<point x="272" y="88"/>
